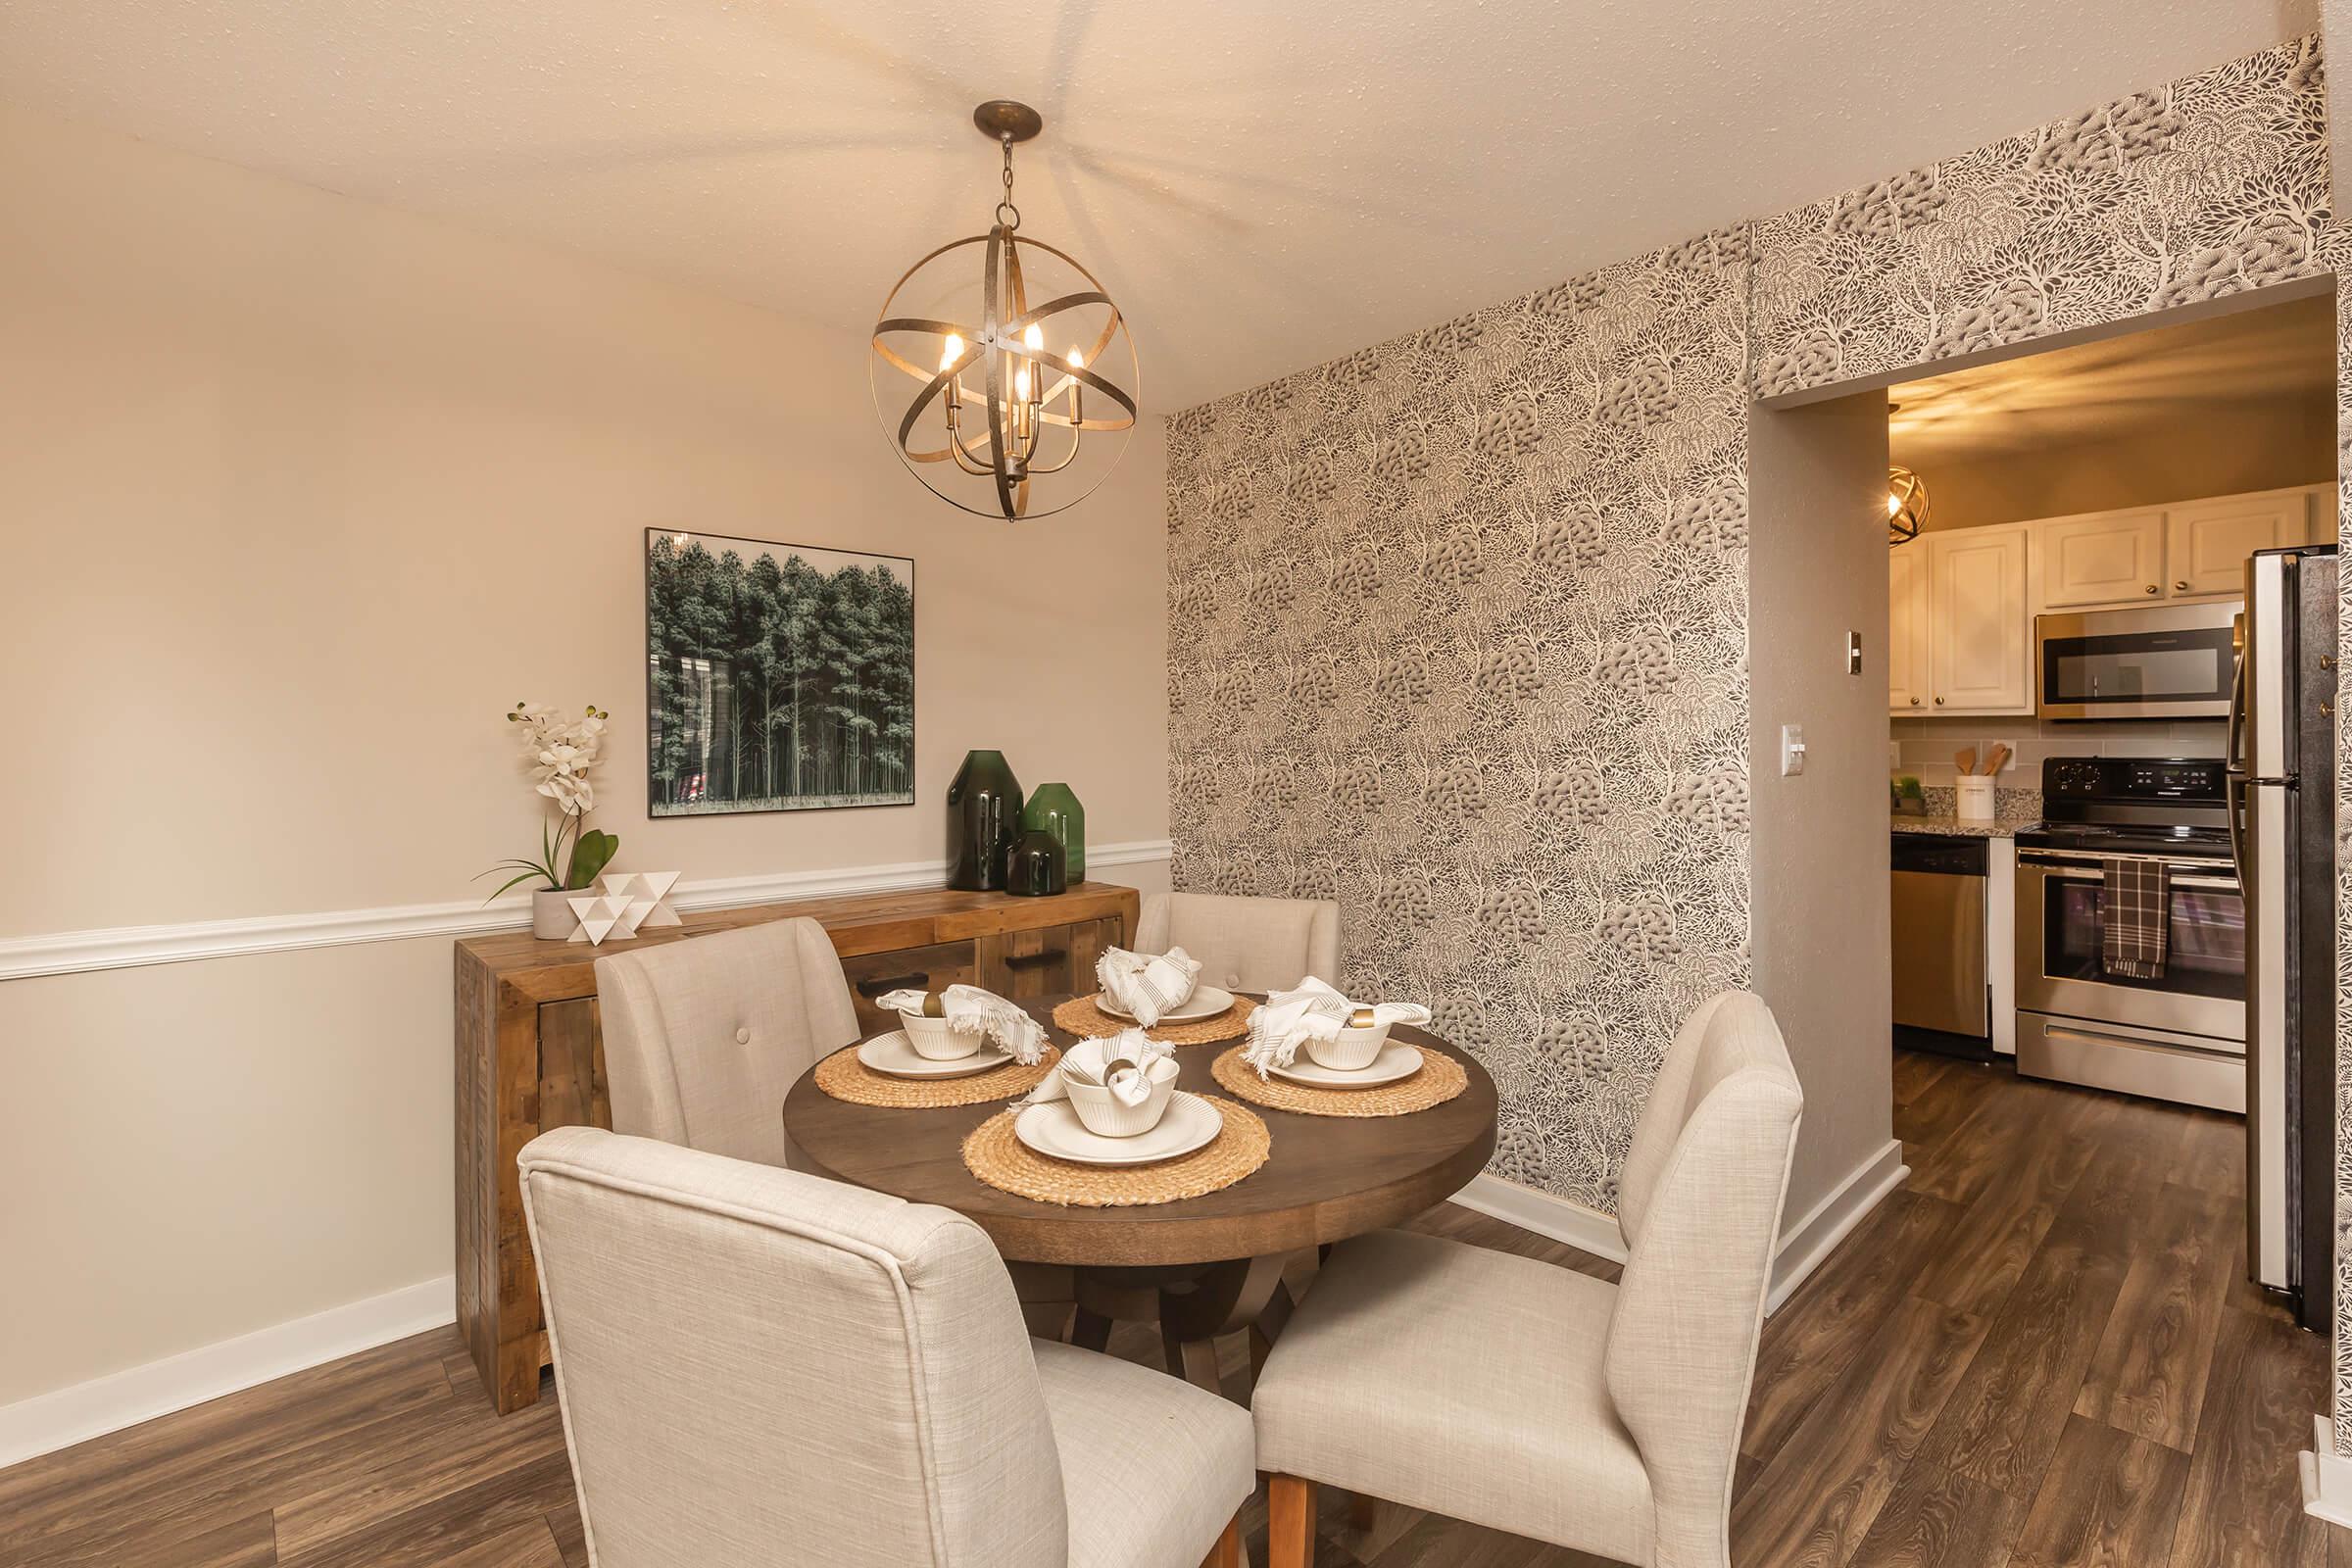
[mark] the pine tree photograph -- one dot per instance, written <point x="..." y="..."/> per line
<point x="778" y="677"/>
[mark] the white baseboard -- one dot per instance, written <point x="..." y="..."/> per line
<point x="1802" y="1249"/>
<point x="63" y="1417"/>
<point x="1563" y="1219"/>
<point x="2327" y="1477"/>
<point x="130" y="945"/>
<point x="1806" y="1244"/>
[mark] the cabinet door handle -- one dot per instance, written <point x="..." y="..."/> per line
<point x="1030" y="960"/>
<point x="872" y="989"/>
<point x="2182" y="586"/>
<point x="1914" y="702"/>
<point x="2151" y="587"/>
<point x="1938" y="701"/>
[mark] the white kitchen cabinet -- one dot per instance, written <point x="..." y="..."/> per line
<point x="2208" y="541"/>
<point x="1979" y="633"/>
<point x="2106" y="558"/>
<point x="1907" y="628"/>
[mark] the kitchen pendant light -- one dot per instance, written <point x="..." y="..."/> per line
<point x="1906" y="506"/>
<point x="1008" y="392"/>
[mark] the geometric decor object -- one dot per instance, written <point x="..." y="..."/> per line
<point x="1005" y="340"/>
<point x="655" y="885"/>
<point x="598" y="915"/>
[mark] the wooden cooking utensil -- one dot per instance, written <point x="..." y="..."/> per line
<point x="1965" y="761"/>
<point x="1998" y="759"/>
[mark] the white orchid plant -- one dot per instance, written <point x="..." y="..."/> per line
<point x="561" y="754"/>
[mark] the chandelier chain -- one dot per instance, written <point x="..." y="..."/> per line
<point x="1006" y="214"/>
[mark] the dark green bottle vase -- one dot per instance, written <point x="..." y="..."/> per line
<point x="1052" y="808"/>
<point x="984" y="817"/>
<point x="1034" y="865"/>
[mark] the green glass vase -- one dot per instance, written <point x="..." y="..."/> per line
<point x="1054" y="810"/>
<point x="984" y="817"/>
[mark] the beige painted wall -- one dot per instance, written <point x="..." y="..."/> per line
<point x="297" y="494"/>
<point x="1817" y="569"/>
<point x="2187" y="449"/>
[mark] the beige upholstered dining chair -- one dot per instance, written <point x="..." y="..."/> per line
<point x="1245" y="943"/>
<point x="703" y="1037"/>
<point x="1535" y="1399"/>
<point x="761" y="1368"/>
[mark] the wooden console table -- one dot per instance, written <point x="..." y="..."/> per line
<point x="530" y="1055"/>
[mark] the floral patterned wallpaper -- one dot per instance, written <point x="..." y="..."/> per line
<point x="1457" y="636"/>
<point x="1458" y="624"/>
<point x="2211" y="185"/>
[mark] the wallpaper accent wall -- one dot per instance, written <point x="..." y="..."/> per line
<point x="1457" y="636"/>
<point x="1458" y="624"/>
<point x="2210" y="185"/>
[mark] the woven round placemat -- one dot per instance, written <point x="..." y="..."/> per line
<point x="1440" y="1079"/>
<point x="1081" y="1016"/>
<point x="842" y="1076"/>
<point x="994" y="1155"/>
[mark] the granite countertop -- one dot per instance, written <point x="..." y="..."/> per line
<point x="1955" y="827"/>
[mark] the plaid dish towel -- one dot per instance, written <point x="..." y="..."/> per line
<point x="2133" y="907"/>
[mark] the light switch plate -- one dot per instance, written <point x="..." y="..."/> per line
<point x="1792" y="750"/>
<point x="1853" y="653"/>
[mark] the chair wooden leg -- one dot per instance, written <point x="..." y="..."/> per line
<point x="1227" y="1552"/>
<point x="1363" y="1512"/>
<point x="1290" y="1522"/>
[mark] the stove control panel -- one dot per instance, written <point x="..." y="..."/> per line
<point x="2196" y="779"/>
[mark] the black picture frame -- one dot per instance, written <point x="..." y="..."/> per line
<point x="826" y="638"/>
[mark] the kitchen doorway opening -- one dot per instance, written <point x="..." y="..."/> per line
<point x="2050" y="899"/>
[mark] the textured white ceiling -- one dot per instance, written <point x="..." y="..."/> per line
<point x="1264" y="184"/>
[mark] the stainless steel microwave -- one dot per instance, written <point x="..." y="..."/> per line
<point x="2168" y="662"/>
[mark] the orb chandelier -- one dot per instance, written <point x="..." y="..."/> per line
<point x="1006" y="393"/>
<point x="1906" y="504"/>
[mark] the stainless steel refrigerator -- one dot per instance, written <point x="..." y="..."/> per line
<point x="2281" y="748"/>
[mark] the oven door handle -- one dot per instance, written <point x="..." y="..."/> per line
<point x="2227" y="884"/>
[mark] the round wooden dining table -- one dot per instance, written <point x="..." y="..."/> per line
<point x="1201" y="1267"/>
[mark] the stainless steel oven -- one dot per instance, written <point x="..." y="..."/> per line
<point x="2203" y="988"/>
<point x="2169" y="662"/>
<point x="2180" y="1033"/>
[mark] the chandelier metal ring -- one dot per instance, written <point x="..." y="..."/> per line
<point x="1025" y="390"/>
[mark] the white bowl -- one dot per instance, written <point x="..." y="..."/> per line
<point x="933" y="1039"/>
<point x="1105" y="1115"/>
<point x="1355" y="1047"/>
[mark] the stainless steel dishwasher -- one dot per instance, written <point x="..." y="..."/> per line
<point x="1941" y="1000"/>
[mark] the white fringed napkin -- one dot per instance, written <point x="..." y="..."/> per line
<point x="1090" y="1062"/>
<point x="1315" y="1010"/>
<point x="1147" y="985"/>
<point x="969" y="1011"/>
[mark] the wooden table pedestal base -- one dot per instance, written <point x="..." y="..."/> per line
<point x="1195" y="1306"/>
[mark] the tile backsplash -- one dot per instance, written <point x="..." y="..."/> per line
<point x="1924" y="747"/>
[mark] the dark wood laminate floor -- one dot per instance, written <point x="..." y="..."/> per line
<point x="2040" y="1352"/>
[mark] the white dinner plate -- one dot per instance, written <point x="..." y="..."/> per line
<point x="894" y="1055"/>
<point x="1396" y="1060"/>
<point x="1054" y="1129"/>
<point x="1205" y="1001"/>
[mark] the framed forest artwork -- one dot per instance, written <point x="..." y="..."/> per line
<point x="778" y="677"/>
